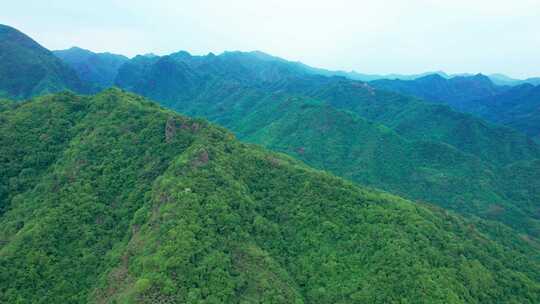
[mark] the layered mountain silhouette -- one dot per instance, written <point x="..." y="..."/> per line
<point x="386" y="140"/>
<point x="516" y="106"/>
<point x="97" y="69"/>
<point x="110" y="198"/>
<point x="456" y="91"/>
<point x="28" y="69"/>
<point x="401" y="144"/>
<point x="501" y="79"/>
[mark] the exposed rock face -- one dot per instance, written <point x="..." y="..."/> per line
<point x="184" y="124"/>
<point x="170" y="129"/>
<point x="201" y="159"/>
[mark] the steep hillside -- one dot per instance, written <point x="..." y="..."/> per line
<point x="367" y="152"/>
<point x="28" y="69"/>
<point x="179" y="80"/>
<point x="97" y="69"/>
<point x="400" y="144"/>
<point x="518" y="108"/>
<point x="111" y="199"/>
<point x="418" y="120"/>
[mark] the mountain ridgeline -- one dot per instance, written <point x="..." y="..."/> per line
<point x="27" y="69"/>
<point x="516" y="107"/>
<point x="466" y="93"/>
<point x="456" y="91"/>
<point x="112" y="199"/>
<point x="386" y="140"/>
<point x="96" y="69"/>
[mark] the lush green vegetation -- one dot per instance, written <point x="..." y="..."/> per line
<point x="400" y="144"/>
<point x="28" y="69"/>
<point x="415" y="119"/>
<point x="456" y="91"/>
<point x="96" y="69"/>
<point x="111" y="199"/>
<point x="516" y="107"/>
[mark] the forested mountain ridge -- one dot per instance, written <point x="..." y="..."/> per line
<point x="501" y="79"/>
<point x="28" y="69"/>
<point x="180" y="81"/>
<point x="400" y="144"/>
<point x="110" y="198"/>
<point x="515" y="107"/>
<point x="518" y="108"/>
<point x="96" y="69"/>
<point x="456" y="91"/>
<point x="416" y="119"/>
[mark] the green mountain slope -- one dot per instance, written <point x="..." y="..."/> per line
<point x="180" y="80"/>
<point x="518" y="108"/>
<point x="28" y="69"/>
<point x="5" y="104"/>
<point x="120" y="201"/>
<point x="390" y="141"/>
<point x="97" y="69"/>
<point x="419" y="120"/>
<point x="455" y="91"/>
<point x="369" y="153"/>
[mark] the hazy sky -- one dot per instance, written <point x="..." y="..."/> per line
<point x="383" y="36"/>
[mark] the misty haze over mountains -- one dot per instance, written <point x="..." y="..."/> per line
<point x="455" y="90"/>
<point x="498" y="79"/>
<point x="242" y="177"/>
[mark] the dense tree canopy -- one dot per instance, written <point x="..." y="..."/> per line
<point x="96" y="69"/>
<point x="112" y="199"/>
<point x="516" y="107"/>
<point x="28" y="69"/>
<point x="400" y="144"/>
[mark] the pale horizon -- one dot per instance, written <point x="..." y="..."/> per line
<point x="372" y="37"/>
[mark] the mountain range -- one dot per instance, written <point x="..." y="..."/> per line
<point x="27" y="69"/>
<point x="461" y="91"/>
<point x="455" y="92"/>
<point x="354" y="129"/>
<point x="514" y="106"/>
<point x="518" y="107"/>
<point x="498" y="79"/>
<point x="393" y="142"/>
<point x="97" y="69"/>
<point x="114" y="198"/>
<point x="501" y="79"/>
<point x="110" y="198"/>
